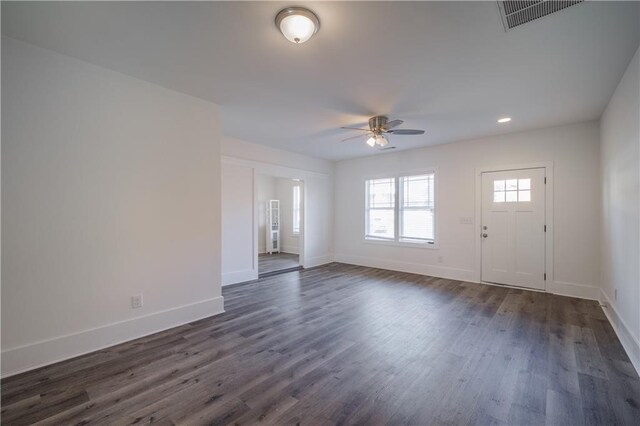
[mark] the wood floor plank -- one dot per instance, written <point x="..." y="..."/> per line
<point x="345" y="344"/>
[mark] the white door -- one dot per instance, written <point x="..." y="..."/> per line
<point x="513" y="227"/>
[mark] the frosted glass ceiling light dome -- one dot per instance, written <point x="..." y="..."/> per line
<point x="297" y="24"/>
<point x="381" y="141"/>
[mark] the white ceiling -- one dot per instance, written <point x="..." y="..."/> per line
<point x="446" y="67"/>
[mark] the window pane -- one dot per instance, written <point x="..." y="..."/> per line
<point x="498" y="185"/>
<point x="417" y="224"/>
<point x="524" y="195"/>
<point x="380" y="224"/>
<point x="512" y="184"/>
<point x="417" y="191"/>
<point x="382" y="193"/>
<point x="498" y="197"/>
<point x="524" y="184"/>
<point x="512" y="196"/>
<point x="416" y="207"/>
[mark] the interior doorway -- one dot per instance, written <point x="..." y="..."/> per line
<point x="280" y="224"/>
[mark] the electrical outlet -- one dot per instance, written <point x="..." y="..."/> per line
<point x="439" y="259"/>
<point x="136" y="301"/>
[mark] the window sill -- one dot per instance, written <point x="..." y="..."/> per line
<point x="426" y="246"/>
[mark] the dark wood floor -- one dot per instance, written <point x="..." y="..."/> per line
<point x="343" y="345"/>
<point x="277" y="261"/>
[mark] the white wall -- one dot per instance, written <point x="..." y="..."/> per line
<point x="620" y="164"/>
<point x="110" y="188"/>
<point x="317" y="176"/>
<point x="289" y="242"/>
<point x="265" y="190"/>
<point x="574" y="150"/>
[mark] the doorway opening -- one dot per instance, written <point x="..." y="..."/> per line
<point x="280" y="224"/>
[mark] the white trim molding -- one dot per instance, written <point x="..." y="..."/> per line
<point x="290" y="249"/>
<point x="629" y="342"/>
<point x="273" y="169"/>
<point x="235" y="277"/>
<point x="318" y="260"/>
<point x="28" y="357"/>
<point x="581" y="291"/>
<point x="410" y="267"/>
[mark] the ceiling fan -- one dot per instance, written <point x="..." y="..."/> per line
<point x="378" y="127"/>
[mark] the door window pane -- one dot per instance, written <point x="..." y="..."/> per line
<point x="512" y="190"/>
<point x="511" y="196"/>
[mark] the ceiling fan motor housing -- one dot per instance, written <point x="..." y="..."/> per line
<point x="377" y="123"/>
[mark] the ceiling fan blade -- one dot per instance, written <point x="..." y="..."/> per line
<point x="355" y="128"/>
<point x="355" y="137"/>
<point x="406" y="132"/>
<point x="391" y="124"/>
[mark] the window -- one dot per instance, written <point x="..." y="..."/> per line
<point x="402" y="203"/>
<point x="296" y="210"/>
<point x="381" y="200"/>
<point x="511" y="190"/>
<point x="417" y="208"/>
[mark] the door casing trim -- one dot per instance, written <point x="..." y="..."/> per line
<point x="548" y="261"/>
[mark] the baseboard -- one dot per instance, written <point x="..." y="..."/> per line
<point x="413" y="268"/>
<point x="39" y="354"/>
<point x="581" y="291"/>
<point x="318" y="260"/>
<point x="629" y="342"/>
<point x="290" y="250"/>
<point x="239" y="276"/>
<point x="562" y="288"/>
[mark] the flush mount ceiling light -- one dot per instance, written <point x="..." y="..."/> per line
<point x="297" y="24"/>
<point x="504" y="120"/>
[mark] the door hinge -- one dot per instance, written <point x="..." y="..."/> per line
<point x="545" y="276"/>
<point x="545" y="228"/>
<point x="545" y="180"/>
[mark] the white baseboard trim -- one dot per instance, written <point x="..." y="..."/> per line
<point x="562" y="288"/>
<point x="413" y="268"/>
<point x="290" y="249"/>
<point x="28" y="357"/>
<point x="318" y="260"/>
<point x="239" y="276"/>
<point x="629" y="341"/>
<point x="581" y="291"/>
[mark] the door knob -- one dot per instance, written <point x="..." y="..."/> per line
<point x="485" y="235"/>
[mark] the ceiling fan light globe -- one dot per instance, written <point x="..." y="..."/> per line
<point x="371" y="141"/>
<point x="382" y="141"/>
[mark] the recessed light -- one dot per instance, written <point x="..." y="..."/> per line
<point x="504" y="120"/>
<point x="297" y="24"/>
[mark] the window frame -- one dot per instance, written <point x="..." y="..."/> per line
<point x="367" y="209"/>
<point x="396" y="241"/>
<point x="294" y="209"/>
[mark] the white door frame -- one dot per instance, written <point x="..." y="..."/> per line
<point x="548" y="166"/>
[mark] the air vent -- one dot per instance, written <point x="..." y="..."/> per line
<point x="518" y="12"/>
